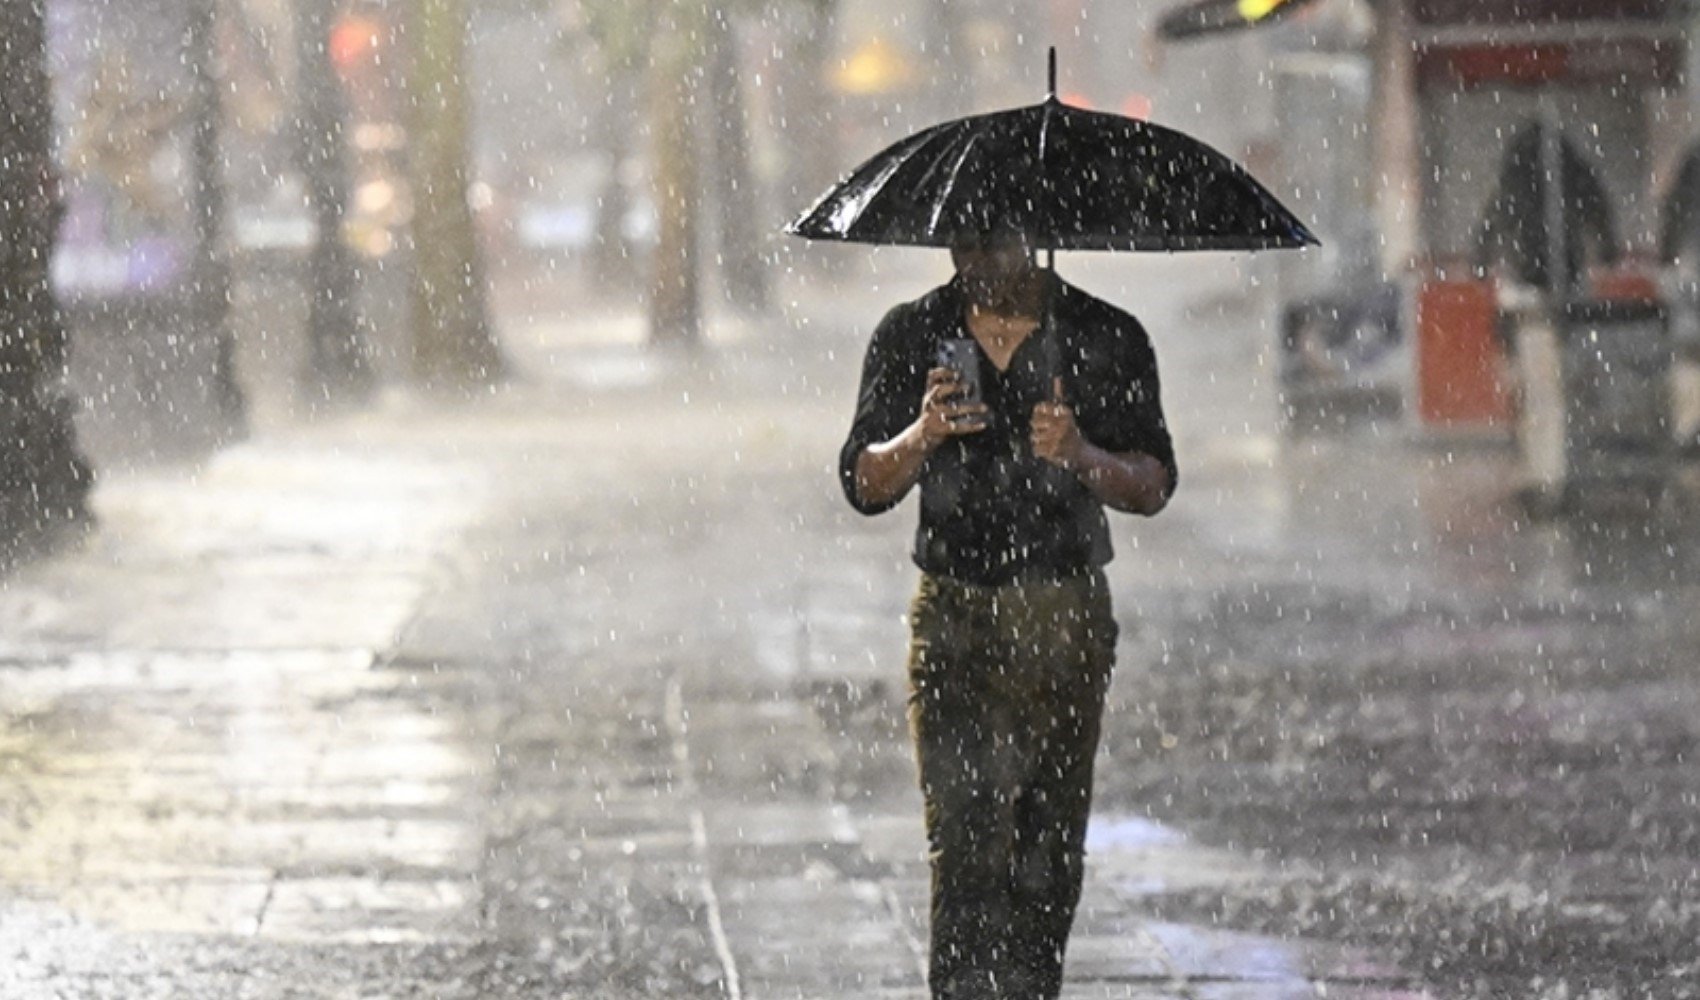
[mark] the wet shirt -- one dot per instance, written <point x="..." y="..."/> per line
<point x="991" y="510"/>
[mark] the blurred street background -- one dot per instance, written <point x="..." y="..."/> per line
<point x="423" y="573"/>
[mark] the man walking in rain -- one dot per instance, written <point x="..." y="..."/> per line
<point x="1018" y="445"/>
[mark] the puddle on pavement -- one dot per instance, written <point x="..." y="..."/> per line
<point x="1132" y="859"/>
<point x="1121" y="833"/>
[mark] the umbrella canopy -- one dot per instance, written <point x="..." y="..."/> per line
<point x="1069" y="178"/>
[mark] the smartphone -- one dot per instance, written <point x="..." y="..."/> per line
<point x="962" y="356"/>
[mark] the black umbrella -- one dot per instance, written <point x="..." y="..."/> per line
<point x="1070" y="179"/>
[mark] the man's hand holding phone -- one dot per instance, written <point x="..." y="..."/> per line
<point x="944" y="414"/>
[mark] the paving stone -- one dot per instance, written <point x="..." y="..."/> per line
<point x="177" y="904"/>
<point x="760" y="750"/>
<point x="1133" y="955"/>
<point x="1139" y="857"/>
<point x="1203" y="953"/>
<point x="1326" y="960"/>
<point x="103" y="866"/>
<point x="898" y="840"/>
<point x="160" y="869"/>
<point x="618" y="818"/>
<point x="366" y="910"/>
<point x="1335" y="991"/>
<point x="278" y="604"/>
<point x="1121" y="991"/>
<point x="391" y="796"/>
<point x="775" y="929"/>
<point x="771" y="825"/>
<point x="654" y="847"/>
<point x="342" y="842"/>
<point x="420" y="760"/>
<point x="1296" y="990"/>
<point x="1103" y="914"/>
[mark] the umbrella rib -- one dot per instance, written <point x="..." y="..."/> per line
<point x="950" y="185"/>
<point x="1045" y="175"/>
<point x="875" y="186"/>
<point x="867" y="181"/>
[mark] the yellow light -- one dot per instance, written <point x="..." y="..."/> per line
<point x="874" y="68"/>
<point x="1257" y="10"/>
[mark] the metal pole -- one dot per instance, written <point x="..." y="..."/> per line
<point x="1559" y="278"/>
<point x="1053" y="349"/>
<point x="1545" y="435"/>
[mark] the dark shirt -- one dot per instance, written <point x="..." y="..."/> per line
<point x="990" y="510"/>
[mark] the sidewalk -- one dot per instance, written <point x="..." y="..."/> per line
<point x="202" y="758"/>
<point x="559" y="693"/>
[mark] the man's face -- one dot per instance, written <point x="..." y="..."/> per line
<point x="992" y="261"/>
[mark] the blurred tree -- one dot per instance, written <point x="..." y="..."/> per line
<point x="209" y="274"/>
<point x="611" y="35"/>
<point x="686" y="47"/>
<point x="453" y="341"/>
<point x="675" y="296"/>
<point x="44" y="481"/>
<point x="611" y="250"/>
<point x="739" y="216"/>
<point x="806" y="105"/>
<point x="339" y="362"/>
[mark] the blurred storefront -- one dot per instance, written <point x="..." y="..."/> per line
<point x="119" y="81"/>
<point x="1392" y="124"/>
<point x="1490" y="179"/>
<point x="1545" y="121"/>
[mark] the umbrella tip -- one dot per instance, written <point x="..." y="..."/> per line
<point x="1051" y="71"/>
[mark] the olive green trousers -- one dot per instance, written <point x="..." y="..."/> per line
<point x="1005" y="698"/>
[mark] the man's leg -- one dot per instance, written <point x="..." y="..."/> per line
<point x="968" y="778"/>
<point x="1070" y="662"/>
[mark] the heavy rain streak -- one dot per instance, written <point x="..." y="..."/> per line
<point x="869" y="499"/>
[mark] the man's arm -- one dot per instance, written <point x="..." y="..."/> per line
<point x="1130" y="481"/>
<point x="887" y="470"/>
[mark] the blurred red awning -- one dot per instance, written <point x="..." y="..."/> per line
<point x="1519" y="12"/>
<point x="1648" y="62"/>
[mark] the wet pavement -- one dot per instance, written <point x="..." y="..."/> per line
<point x="591" y="688"/>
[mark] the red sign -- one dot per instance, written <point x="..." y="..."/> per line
<point x="1629" y="61"/>
<point x="1442" y="12"/>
